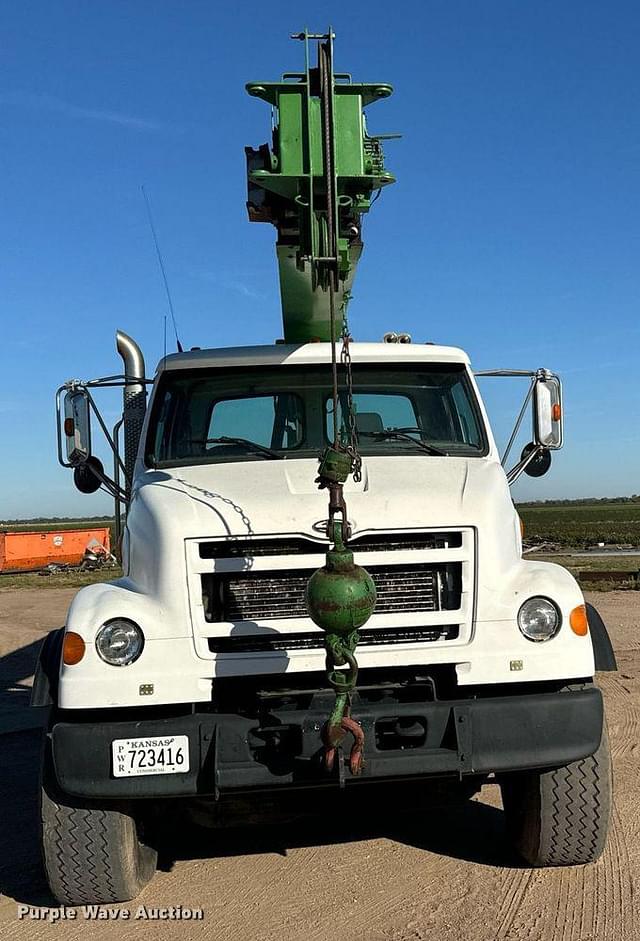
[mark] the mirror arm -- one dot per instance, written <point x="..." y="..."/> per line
<point x="115" y="381"/>
<point x="507" y="372"/>
<point x="519" y="420"/>
<point x="110" y="486"/>
<point x="106" y="433"/>
<point x="521" y="466"/>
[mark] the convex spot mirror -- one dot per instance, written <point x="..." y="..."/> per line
<point x="538" y="465"/>
<point x="547" y="413"/>
<point x="77" y="426"/>
<point x="89" y="475"/>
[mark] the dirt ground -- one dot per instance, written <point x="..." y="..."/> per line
<point x="379" y="875"/>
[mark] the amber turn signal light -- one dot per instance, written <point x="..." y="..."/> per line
<point x="556" y="412"/>
<point x="578" y="621"/>
<point x="73" y="648"/>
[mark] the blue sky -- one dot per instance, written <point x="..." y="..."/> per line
<point x="513" y="230"/>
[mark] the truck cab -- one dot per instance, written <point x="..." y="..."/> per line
<point x="199" y="674"/>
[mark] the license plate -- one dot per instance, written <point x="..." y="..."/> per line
<point x="168" y="754"/>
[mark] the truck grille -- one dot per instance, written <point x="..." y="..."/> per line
<point x="254" y="596"/>
<point x="267" y="643"/>
<point x="370" y="542"/>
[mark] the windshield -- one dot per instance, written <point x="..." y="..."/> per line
<point x="260" y="413"/>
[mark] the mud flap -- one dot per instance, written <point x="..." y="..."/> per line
<point x="602" y="649"/>
<point x="45" y="681"/>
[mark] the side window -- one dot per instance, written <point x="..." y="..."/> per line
<point x="163" y="426"/>
<point x="466" y="416"/>
<point x="274" y="421"/>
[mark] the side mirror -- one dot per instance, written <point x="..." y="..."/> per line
<point x="547" y="412"/>
<point x="77" y="427"/>
<point x="538" y="465"/>
<point x="545" y="396"/>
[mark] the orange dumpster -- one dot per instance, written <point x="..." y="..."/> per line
<point x="24" y="552"/>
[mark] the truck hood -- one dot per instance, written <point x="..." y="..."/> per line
<point x="266" y="497"/>
<point x="270" y="498"/>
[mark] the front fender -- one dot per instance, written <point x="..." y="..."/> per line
<point x="167" y="670"/>
<point x="500" y="598"/>
<point x="506" y="655"/>
<point x="123" y="598"/>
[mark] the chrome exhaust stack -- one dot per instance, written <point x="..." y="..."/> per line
<point x="134" y="400"/>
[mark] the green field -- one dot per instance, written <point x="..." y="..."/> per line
<point x="583" y="524"/>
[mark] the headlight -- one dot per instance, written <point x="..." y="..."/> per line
<point x="539" y="619"/>
<point x="119" y="642"/>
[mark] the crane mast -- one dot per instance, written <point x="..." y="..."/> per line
<point x="314" y="182"/>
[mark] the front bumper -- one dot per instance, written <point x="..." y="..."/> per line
<point x="233" y="753"/>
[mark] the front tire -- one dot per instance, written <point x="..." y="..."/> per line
<point x="561" y="817"/>
<point x="92" y="855"/>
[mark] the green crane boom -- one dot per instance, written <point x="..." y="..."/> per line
<point x="321" y="172"/>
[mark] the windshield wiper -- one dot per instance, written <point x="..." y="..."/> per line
<point x="404" y="434"/>
<point x="249" y="445"/>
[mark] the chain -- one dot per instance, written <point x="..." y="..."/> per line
<point x="218" y="496"/>
<point x="335" y="465"/>
<point x="341" y="652"/>
<point x="330" y="248"/>
<point x="352" y="428"/>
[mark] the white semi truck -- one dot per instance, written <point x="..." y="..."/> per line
<point x="199" y="678"/>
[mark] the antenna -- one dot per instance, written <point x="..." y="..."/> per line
<point x="164" y="275"/>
